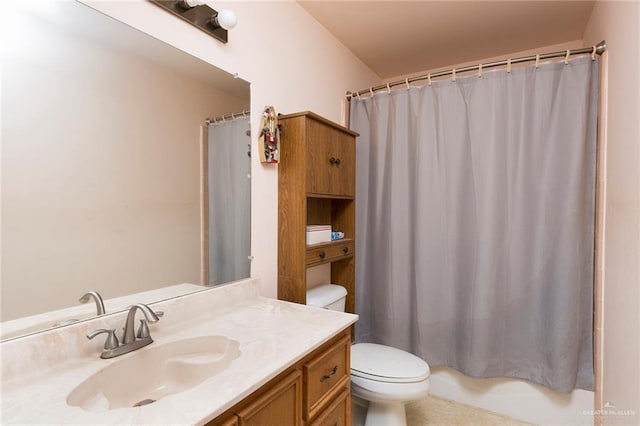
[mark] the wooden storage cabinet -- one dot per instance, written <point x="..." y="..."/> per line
<point x="314" y="391"/>
<point x="316" y="186"/>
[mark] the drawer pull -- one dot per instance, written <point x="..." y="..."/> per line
<point x="322" y="254"/>
<point x="337" y="161"/>
<point x="345" y="249"/>
<point x="332" y="160"/>
<point x="334" y="370"/>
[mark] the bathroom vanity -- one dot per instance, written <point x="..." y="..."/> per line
<point x="224" y="356"/>
<point x="314" y="391"/>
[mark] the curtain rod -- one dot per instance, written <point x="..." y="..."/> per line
<point x="598" y="49"/>
<point x="228" y="117"/>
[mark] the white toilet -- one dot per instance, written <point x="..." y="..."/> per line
<point x="385" y="377"/>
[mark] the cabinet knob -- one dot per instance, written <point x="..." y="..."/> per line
<point x="345" y="249"/>
<point x="332" y="160"/>
<point x="337" y="161"/>
<point x="322" y="254"/>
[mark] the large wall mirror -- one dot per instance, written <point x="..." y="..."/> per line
<point x="106" y="161"/>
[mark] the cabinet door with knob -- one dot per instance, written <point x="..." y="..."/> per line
<point x="332" y="156"/>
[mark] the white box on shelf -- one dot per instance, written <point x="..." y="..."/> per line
<point x="318" y="234"/>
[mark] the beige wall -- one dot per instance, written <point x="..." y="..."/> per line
<point x="619" y="24"/>
<point x="91" y="165"/>
<point x="292" y="62"/>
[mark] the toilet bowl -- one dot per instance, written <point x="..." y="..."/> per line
<point x="386" y="377"/>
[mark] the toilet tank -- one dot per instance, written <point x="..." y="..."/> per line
<point x="328" y="296"/>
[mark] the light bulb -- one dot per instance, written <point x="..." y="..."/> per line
<point x="225" y="18"/>
<point x="193" y="3"/>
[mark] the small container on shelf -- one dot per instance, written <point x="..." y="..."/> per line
<point x="318" y="234"/>
<point x="337" y="235"/>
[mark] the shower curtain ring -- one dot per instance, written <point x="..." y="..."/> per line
<point x="429" y="79"/>
<point x="371" y="91"/>
<point x="406" y="81"/>
<point x="566" y="57"/>
<point x="593" y="53"/>
<point x="388" y="89"/>
<point x="537" y="60"/>
<point x="509" y="66"/>
<point x="479" y="70"/>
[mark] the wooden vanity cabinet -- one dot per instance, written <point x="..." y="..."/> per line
<point x="314" y="391"/>
<point x="316" y="186"/>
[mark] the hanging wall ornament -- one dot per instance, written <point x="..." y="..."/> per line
<point x="269" y="136"/>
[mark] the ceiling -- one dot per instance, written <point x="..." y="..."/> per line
<point x="397" y="38"/>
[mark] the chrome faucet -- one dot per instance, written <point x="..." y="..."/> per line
<point x="96" y="298"/>
<point x="130" y="340"/>
<point x="128" y="336"/>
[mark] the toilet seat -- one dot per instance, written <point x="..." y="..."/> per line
<point x="386" y="364"/>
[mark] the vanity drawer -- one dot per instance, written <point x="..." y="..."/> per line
<point x="325" y="375"/>
<point x="338" y="413"/>
<point x="330" y="252"/>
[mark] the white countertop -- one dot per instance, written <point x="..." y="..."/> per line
<point x="39" y="371"/>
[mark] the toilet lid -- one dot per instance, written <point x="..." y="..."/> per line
<point x="386" y="364"/>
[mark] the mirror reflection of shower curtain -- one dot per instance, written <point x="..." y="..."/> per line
<point x="229" y="201"/>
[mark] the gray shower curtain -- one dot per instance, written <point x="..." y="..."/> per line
<point x="229" y="201"/>
<point x="475" y="222"/>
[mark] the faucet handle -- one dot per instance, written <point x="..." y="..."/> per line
<point x="112" y="339"/>
<point x="143" y="330"/>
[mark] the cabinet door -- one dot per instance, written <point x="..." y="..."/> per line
<point x="331" y="158"/>
<point x="343" y="176"/>
<point x="281" y="405"/>
<point x="320" y="150"/>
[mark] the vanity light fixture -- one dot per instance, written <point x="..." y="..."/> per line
<point x="200" y="15"/>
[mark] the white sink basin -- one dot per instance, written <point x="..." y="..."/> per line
<point x="149" y="374"/>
